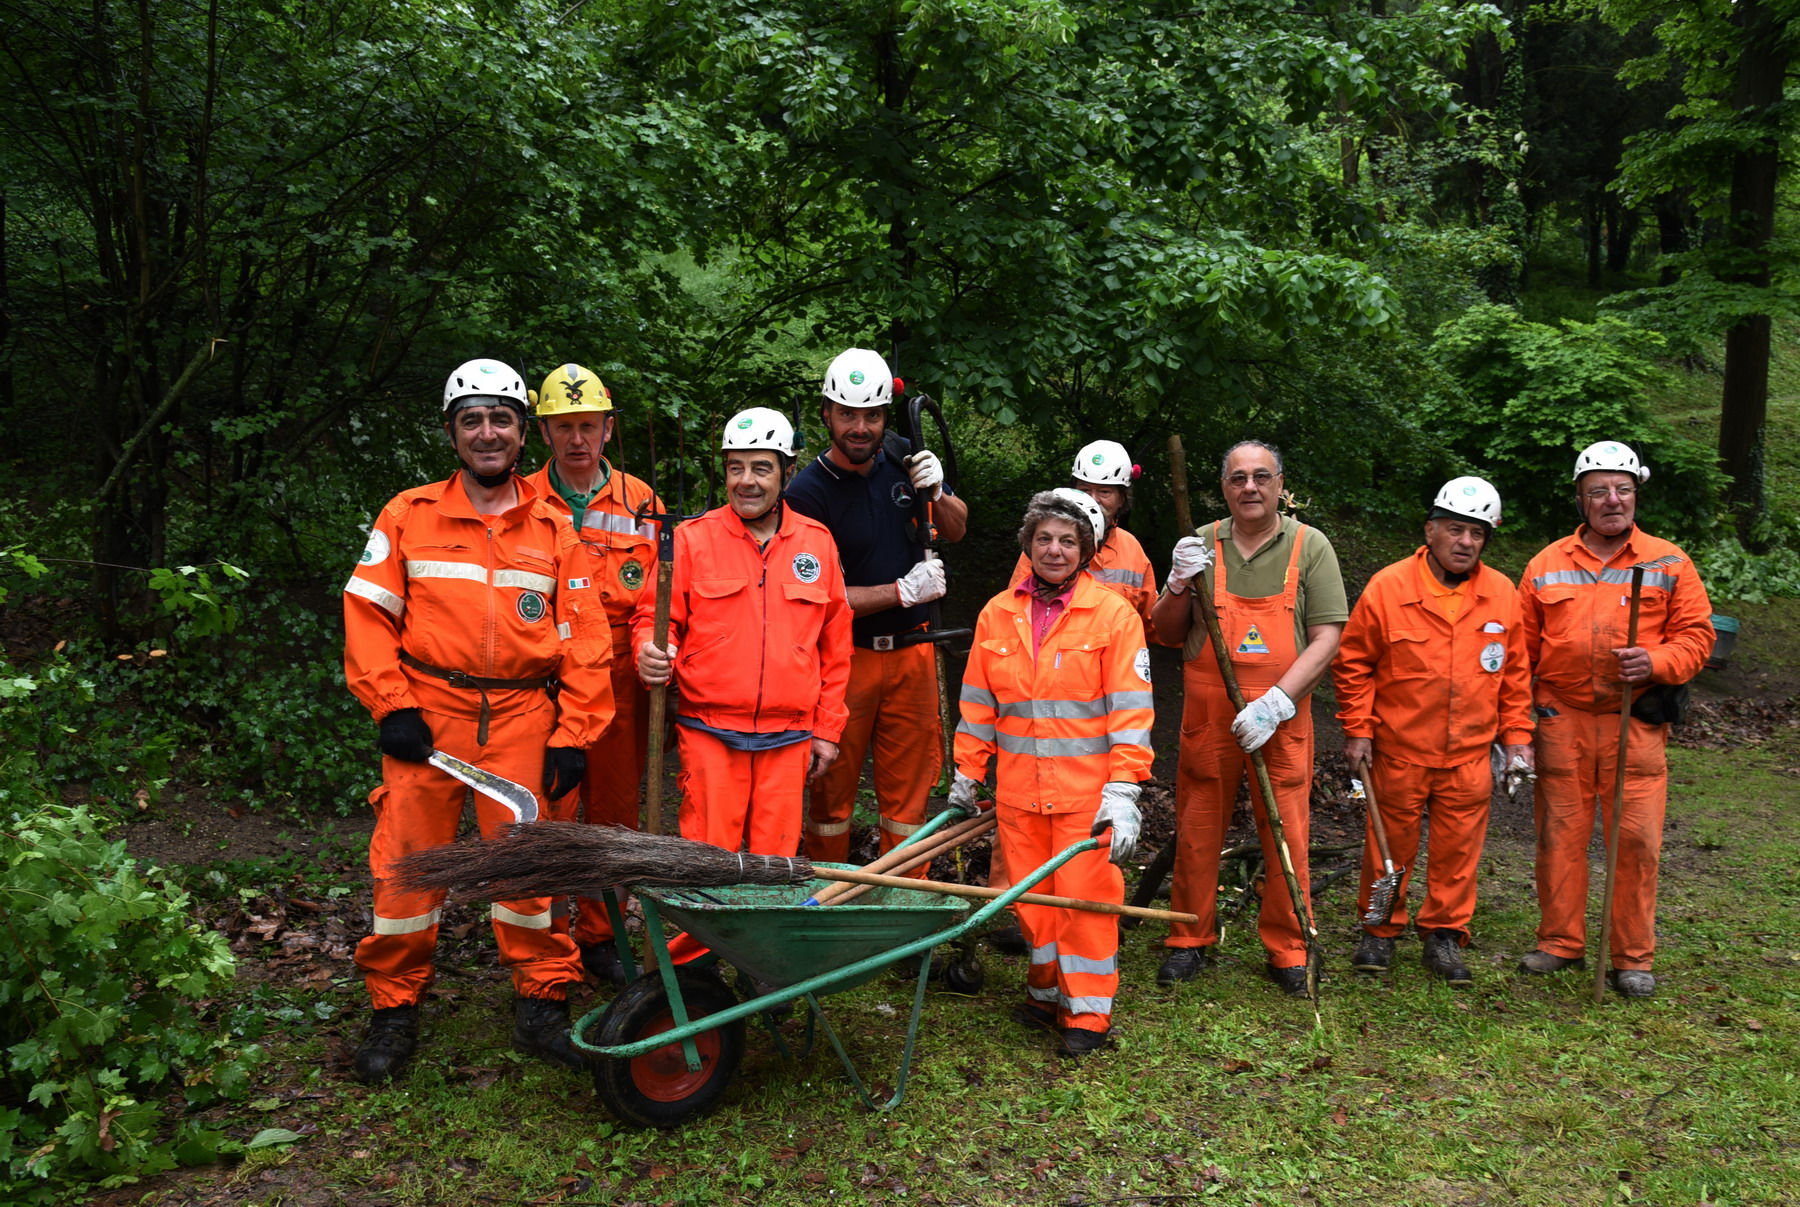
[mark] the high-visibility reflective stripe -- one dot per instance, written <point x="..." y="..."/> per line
<point x="474" y="573"/>
<point x="563" y="630"/>
<point x="828" y="828"/>
<point x="1052" y="748"/>
<point x="1127" y="578"/>
<point x="406" y="926"/>
<point x="1052" y="995"/>
<point x="1122" y="700"/>
<point x="1044" y="955"/>
<point x="1611" y="575"/>
<point x="977" y="695"/>
<point x="529" y="921"/>
<point x="605" y="521"/>
<point x="525" y="579"/>
<point x="897" y="827"/>
<point x="1090" y="1005"/>
<point x="1067" y="710"/>
<point x="1128" y="737"/>
<point x="379" y="596"/>
<point x="1106" y="967"/>
<point x="974" y="729"/>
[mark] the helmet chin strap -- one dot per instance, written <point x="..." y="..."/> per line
<point x="1444" y="573"/>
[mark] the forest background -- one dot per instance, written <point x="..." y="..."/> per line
<point x="241" y="244"/>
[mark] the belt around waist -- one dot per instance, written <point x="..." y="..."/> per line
<point x="892" y="641"/>
<point x="478" y="683"/>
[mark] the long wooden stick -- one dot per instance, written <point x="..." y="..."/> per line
<point x="975" y="892"/>
<point x="1603" y="956"/>
<point x="659" y="695"/>
<point x="903" y="858"/>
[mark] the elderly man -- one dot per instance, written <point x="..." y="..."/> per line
<point x="1431" y="673"/>
<point x="467" y="602"/>
<point x="1281" y="607"/>
<point x="1575" y="603"/>
<point x="575" y="416"/>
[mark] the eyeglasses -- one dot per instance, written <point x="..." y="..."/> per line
<point x="1239" y="480"/>
<point x="1599" y="493"/>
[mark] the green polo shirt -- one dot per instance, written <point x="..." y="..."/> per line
<point x="577" y="501"/>
<point x="1321" y="599"/>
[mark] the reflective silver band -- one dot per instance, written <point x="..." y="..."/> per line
<point x="1051" y="748"/>
<point x="975" y="730"/>
<point x="467" y="570"/>
<point x="898" y="827"/>
<point x="1090" y="1005"/>
<point x="379" y="596"/>
<point x="1125" y="578"/>
<point x="827" y="829"/>
<point x="1106" y="967"/>
<point x="1128" y="737"/>
<point x="525" y="579"/>
<point x="1044" y="955"/>
<point x="977" y="695"/>
<point x="528" y="921"/>
<point x="406" y="926"/>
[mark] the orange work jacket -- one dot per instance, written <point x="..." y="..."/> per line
<point x="762" y="636"/>
<point x="1068" y="721"/>
<point x="1576" y="611"/>
<point x="1429" y="691"/>
<point x="1120" y="565"/>
<point x="621" y="549"/>
<point x="494" y="596"/>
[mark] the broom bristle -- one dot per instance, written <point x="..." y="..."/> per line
<point x="572" y="859"/>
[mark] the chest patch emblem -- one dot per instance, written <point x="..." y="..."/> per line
<point x="631" y="574"/>
<point x="376" y="551"/>
<point x="531" y="607"/>
<point x="1252" y="642"/>
<point x="806" y="567"/>
<point x="902" y="495"/>
<point x="1493" y="657"/>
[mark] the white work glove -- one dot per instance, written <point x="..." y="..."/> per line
<point x="962" y="795"/>
<point x="922" y="584"/>
<point x="1256" y="724"/>
<point x="927" y="474"/>
<point x="1191" y="558"/>
<point x="1118" y="809"/>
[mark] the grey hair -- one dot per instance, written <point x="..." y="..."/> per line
<point x="1225" y="461"/>
<point x="1046" y="505"/>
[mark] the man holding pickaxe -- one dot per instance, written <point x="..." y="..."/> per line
<point x="1580" y="600"/>
<point x="612" y="513"/>
<point x="1430" y="673"/>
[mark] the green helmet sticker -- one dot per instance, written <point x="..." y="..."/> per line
<point x="856" y="377"/>
<point x="1098" y="458"/>
<point x="745" y="422"/>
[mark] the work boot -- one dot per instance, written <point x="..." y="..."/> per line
<point x="1443" y="956"/>
<point x="1078" y="1041"/>
<point x="1292" y="981"/>
<point x="1542" y="962"/>
<point x="1009" y="940"/>
<point x="1183" y="964"/>
<point x="1035" y="1014"/>
<point x="541" y="1028"/>
<point x="601" y="961"/>
<point x="1373" y="954"/>
<point x="384" y="1051"/>
<point x="1633" y="982"/>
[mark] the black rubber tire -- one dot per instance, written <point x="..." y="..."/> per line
<point x="1151" y="882"/>
<point x="657" y="1090"/>
<point x="965" y="976"/>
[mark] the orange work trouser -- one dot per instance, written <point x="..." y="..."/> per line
<point x="615" y="772"/>
<point x="741" y="800"/>
<point x="1457" y="798"/>
<point x="1074" y="954"/>
<point x="1206" y="784"/>
<point x="417" y="806"/>
<point x="892" y="701"/>
<point x="1577" y="757"/>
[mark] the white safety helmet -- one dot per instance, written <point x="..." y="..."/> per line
<point x="485" y="378"/>
<point x="1470" y="498"/>
<point x="1104" y="463"/>
<point x="1087" y="507"/>
<point x="859" y="378"/>
<point x="1612" y="456"/>
<point x="758" y="427"/>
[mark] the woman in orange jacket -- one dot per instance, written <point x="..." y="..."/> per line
<point x="1057" y="695"/>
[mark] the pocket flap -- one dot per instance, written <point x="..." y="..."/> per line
<point x="719" y="588"/>
<point x="803" y="591"/>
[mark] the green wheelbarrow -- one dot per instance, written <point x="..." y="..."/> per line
<point x="666" y="1048"/>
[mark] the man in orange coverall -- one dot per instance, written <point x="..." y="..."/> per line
<point x="1575" y="601"/>
<point x="759" y="646"/>
<point x="1430" y="673"/>
<point x="575" y="416"/>
<point x="469" y="599"/>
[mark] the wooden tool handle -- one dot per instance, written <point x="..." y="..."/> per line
<point x="988" y="894"/>
<point x="1184" y="517"/>
<point x="901" y="858"/>
<point x="659" y="703"/>
<point x="1381" y="842"/>
<point x="1603" y="956"/>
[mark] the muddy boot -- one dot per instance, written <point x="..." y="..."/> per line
<point x="384" y="1051"/>
<point x="1009" y="940"/>
<point x="1543" y="963"/>
<point x="541" y="1028"/>
<point x="1443" y="956"/>
<point x="1078" y="1042"/>
<point x="1374" y="954"/>
<point x="1183" y="964"/>
<point x="1633" y="982"/>
<point x="601" y="961"/>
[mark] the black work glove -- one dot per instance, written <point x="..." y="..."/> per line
<point x="563" y="768"/>
<point x="405" y="736"/>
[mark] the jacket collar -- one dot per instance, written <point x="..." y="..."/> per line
<point x="1481" y="582"/>
<point x="454" y="501"/>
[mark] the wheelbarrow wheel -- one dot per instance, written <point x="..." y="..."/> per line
<point x="658" y="1089"/>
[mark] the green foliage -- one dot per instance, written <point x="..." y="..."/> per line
<point x="1527" y="396"/>
<point x="189" y="591"/>
<point x="100" y="1004"/>
<point x="1732" y="572"/>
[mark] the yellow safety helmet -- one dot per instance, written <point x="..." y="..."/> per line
<point x="571" y="390"/>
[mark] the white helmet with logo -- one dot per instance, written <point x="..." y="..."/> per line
<point x="859" y="378"/>
<point x="1470" y="498"/>
<point x="1104" y="463"/>
<point x="1612" y="456"/>
<point x="1086" y="506"/>
<point x="485" y="378"/>
<point x="758" y="427"/>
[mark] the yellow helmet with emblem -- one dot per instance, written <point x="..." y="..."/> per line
<point x="571" y="390"/>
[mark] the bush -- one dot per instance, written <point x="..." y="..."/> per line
<point x="1529" y="396"/>
<point x="99" y="1010"/>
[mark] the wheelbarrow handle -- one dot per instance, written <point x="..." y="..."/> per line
<point x="854" y="876"/>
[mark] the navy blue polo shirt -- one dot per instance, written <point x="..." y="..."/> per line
<point x="872" y="520"/>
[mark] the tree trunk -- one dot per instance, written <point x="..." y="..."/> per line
<point x="1622" y="226"/>
<point x="1591" y="236"/>
<point x="1674" y="228"/>
<point x="1755" y="175"/>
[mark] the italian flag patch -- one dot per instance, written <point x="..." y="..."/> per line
<point x="580" y="584"/>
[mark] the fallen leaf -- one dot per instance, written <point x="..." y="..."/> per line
<point x="1238" y="1066"/>
<point x="1340" y="1116"/>
<point x="1752" y="1024"/>
<point x="1320" y="1062"/>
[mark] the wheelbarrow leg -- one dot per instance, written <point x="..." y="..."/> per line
<point x="616" y="915"/>
<point x="653" y="928"/>
<point x="912" y="1036"/>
